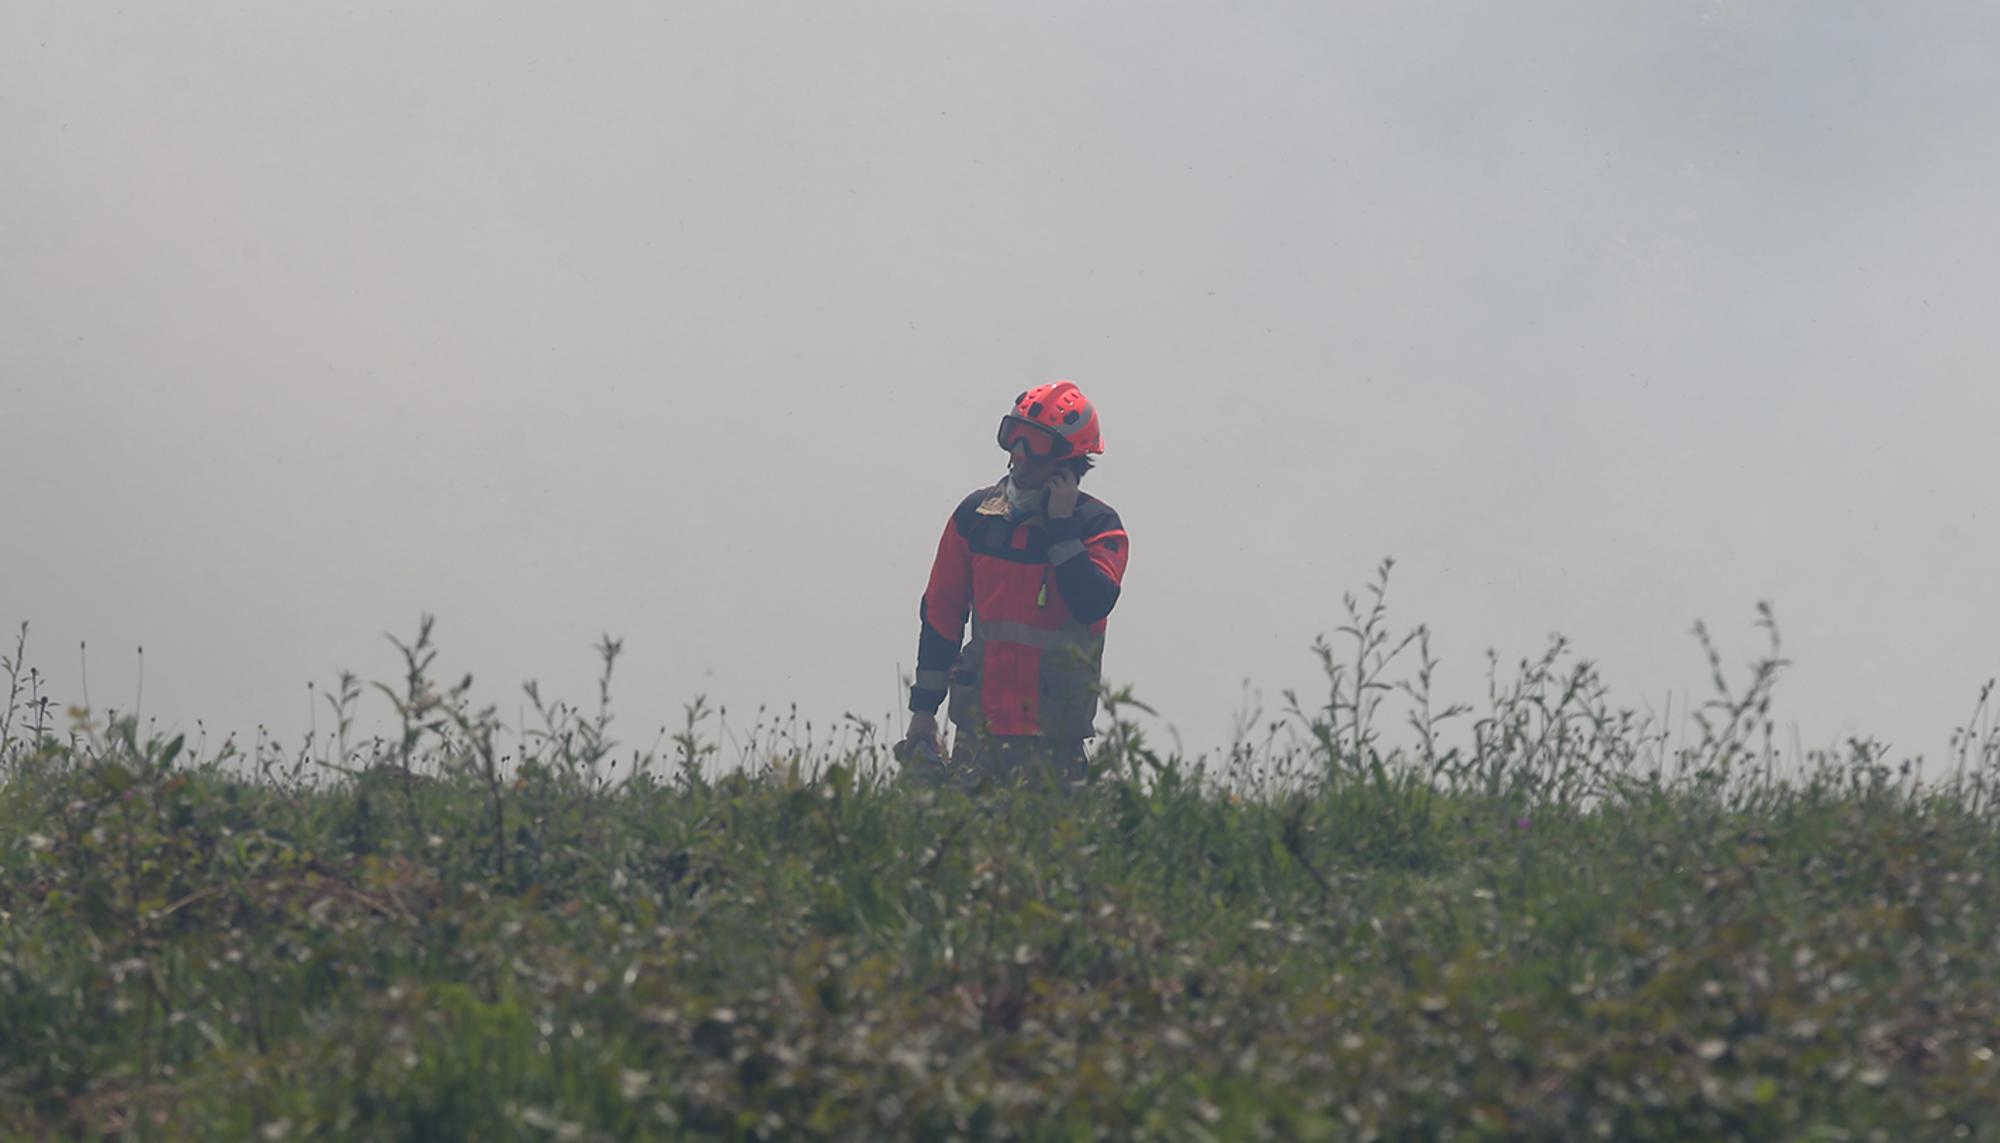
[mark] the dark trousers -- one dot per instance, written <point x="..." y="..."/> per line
<point x="1003" y="759"/>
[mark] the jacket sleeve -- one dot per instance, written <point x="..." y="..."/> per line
<point x="941" y="615"/>
<point x="1089" y="559"/>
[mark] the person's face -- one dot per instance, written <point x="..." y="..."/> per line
<point x="1033" y="453"/>
<point x="1030" y="471"/>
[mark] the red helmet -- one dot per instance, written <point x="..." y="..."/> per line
<point x="1055" y="420"/>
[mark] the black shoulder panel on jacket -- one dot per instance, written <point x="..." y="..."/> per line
<point x="967" y="512"/>
<point x="1094" y="517"/>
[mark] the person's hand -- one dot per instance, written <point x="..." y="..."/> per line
<point x="923" y="728"/>
<point x="1062" y="494"/>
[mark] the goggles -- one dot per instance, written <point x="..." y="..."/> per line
<point x="1040" y="440"/>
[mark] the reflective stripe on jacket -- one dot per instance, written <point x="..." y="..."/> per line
<point x="1036" y="593"/>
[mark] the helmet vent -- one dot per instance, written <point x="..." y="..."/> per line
<point x="1035" y="410"/>
<point x="1071" y="418"/>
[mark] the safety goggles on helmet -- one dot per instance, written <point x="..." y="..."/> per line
<point x="1041" y="442"/>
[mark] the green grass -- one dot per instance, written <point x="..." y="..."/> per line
<point x="1562" y="927"/>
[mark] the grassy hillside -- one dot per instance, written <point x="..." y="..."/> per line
<point x="1557" y="927"/>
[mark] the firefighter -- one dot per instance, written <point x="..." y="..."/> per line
<point x="1034" y="564"/>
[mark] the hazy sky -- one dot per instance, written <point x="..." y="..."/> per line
<point x="691" y="322"/>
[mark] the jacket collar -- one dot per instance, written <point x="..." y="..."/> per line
<point x="995" y="501"/>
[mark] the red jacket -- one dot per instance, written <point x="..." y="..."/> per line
<point x="1037" y="592"/>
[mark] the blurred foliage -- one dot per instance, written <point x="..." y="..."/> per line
<point x="1563" y="928"/>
